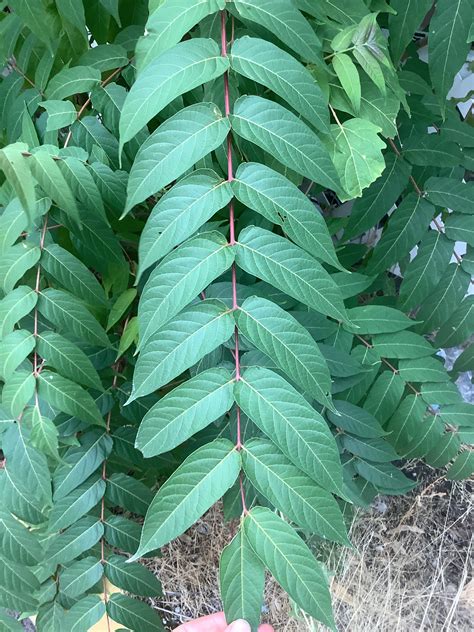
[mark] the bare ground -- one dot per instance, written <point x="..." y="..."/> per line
<point x="411" y="570"/>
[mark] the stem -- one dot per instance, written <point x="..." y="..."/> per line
<point x="396" y="371"/>
<point x="230" y="177"/>
<point x="36" y="369"/>
<point x="88" y="101"/>
<point x="102" y="508"/>
<point x="419" y="192"/>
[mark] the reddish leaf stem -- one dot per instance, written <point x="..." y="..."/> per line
<point x="230" y="177"/>
<point x="102" y="509"/>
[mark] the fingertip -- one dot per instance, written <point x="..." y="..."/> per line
<point x="239" y="626"/>
<point x="265" y="628"/>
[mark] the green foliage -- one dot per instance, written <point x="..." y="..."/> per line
<point x="227" y="266"/>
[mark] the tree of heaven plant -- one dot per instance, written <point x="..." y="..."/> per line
<point x="234" y="237"/>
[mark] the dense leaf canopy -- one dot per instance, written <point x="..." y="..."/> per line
<point x="234" y="236"/>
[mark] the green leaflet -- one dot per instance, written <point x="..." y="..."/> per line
<point x="84" y="614"/>
<point x="280" y="201"/>
<point x="129" y="336"/>
<point x="105" y="57"/>
<point x="71" y="543"/>
<point x="68" y="397"/>
<point x="277" y="334"/>
<point x="283" y="135"/>
<point x="460" y="228"/>
<point x="355" y="419"/>
<point x="26" y="464"/>
<point x="82" y="184"/>
<point x="425" y="271"/>
<point x="459" y="414"/>
<point x="18" y="391"/>
<point x="384" y="476"/>
<point x="67" y="510"/>
<point x="19" y="500"/>
<point x="290" y="561"/>
<point x="348" y="75"/>
<point x="406" y="227"/>
<point x="286" y="332"/>
<point x="349" y="13"/>
<point x="13" y="221"/>
<point x="180" y="212"/>
<point x="291" y="423"/>
<point x="449" y="193"/>
<point x="173" y="148"/>
<point x="15" y="261"/>
<point x="122" y="533"/>
<point x="184" y="411"/>
<point x="377" y="450"/>
<point x="272" y="67"/>
<point x="168" y="23"/>
<point x="16" y="169"/>
<point x="423" y="370"/>
<point x="49" y="177"/>
<point x="242" y="581"/>
<point x="357" y="154"/>
<point x="88" y="132"/>
<point x="378" y="319"/>
<point x="179" y="278"/>
<point x="431" y="150"/>
<point x="71" y="81"/>
<point x="51" y="615"/>
<point x="133" y="578"/>
<point x="180" y="69"/>
<point x="444" y="450"/>
<point x="73" y="14"/>
<point x="68" y="359"/>
<point x="71" y="316"/>
<point x="100" y="247"/>
<point x="459" y="327"/>
<point x="80" y="576"/>
<point x="435" y="393"/>
<point x="404" y="423"/>
<point x="465" y="361"/>
<point x="462" y="467"/>
<point x="15" y="306"/>
<point x="125" y="491"/>
<point x="17" y="543"/>
<point x="285" y="266"/>
<point x="445" y="298"/>
<point x="448" y="43"/>
<point x="181" y="343"/>
<point x="80" y="462"/>
<point x="35" y="18"/>
<point x="381" y="109"/>
<point x="120" y="306"/>
<point x="403" y="25"/>
<point x="379" y="197"/>
<point x="111" y="184"/>
<point x="402" y="344"/>
<point x="194" y="487"/>
<point x="17" y="586"/>
<point x="44" y="434"/>
<point x="291" y="491"/>
<point x="60" y="114"/>
<point x="284" y="21"/>
<point x="350" y="284"/>
<point x="134" y="614"/>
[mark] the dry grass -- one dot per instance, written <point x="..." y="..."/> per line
<point x="411" y="570"/>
